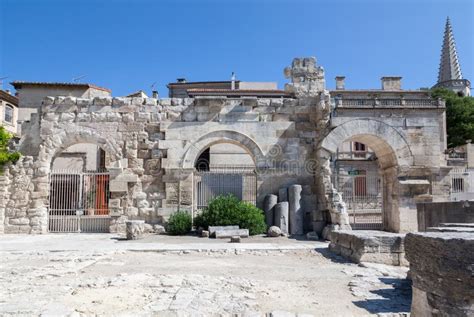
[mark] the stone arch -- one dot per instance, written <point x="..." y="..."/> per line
<point x="393" y="153"/>
<point x="389" y="145"/>
<point x="56" y="143"/>
<point x="223" y="136"/>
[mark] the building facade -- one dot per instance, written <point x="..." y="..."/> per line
<point x="8" y="111"/>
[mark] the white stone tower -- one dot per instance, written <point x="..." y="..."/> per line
<point x="450" y="75"/>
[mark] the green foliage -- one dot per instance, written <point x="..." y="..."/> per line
<point x="179" y="223"/>
<point x="6" y="156"/>
<point x="229" y="210"/>
<point x="459" y="116"/>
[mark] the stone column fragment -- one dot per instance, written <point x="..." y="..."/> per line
<point x="283" y="194"/>
<point x="269" y="202"/>
<point x="281" y="216"/>
<point x="295" y="209"/>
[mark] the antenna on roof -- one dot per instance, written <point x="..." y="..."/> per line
<point x="76" y="79"/>
<point x="1" y="81"/>
<point x="154" y="93"/>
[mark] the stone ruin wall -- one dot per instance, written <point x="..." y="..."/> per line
<point x="151" y="147"/>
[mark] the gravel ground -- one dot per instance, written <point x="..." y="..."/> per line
<point x="197" y="283"/>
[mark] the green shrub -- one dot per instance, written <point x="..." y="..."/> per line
<point x="179" y="223"/>
<point x="6" y="156"/>
<point x="229" y="210"/>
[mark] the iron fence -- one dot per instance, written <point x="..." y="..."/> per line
<point x="240" y="181"/>
<point x="78" y="201"/>
<point x="362" y="195"/>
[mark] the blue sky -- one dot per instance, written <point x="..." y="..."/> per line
<point x="129" y="45"/>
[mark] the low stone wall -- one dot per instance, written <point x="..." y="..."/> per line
<point x="441" y="268"/>
<point x="432" y="214"/>
<point x="369" y="246"/>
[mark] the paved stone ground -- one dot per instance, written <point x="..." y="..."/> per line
<point x="88" y="275"/>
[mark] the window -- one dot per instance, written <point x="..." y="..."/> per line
<point x="8" y="114"/>
<point x="359" y="149"/>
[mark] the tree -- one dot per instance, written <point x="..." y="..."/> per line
<point x="459" y="116"/>
<point x="6" y="156"/>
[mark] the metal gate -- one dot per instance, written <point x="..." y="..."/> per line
<point x="363" y="197"/>
<point x="78" y="201"/>
<point x="238" y="181"/>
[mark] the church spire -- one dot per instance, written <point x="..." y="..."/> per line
<point x="449" y="68"/>
<point x="449" y="75"/>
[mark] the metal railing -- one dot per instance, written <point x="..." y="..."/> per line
<point x="387" y="102"/>
<point x="362" y="195"/>
<point x="240" y="181"/>
<point x="78" y="201"/>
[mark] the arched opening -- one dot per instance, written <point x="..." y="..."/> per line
<point x="380" y="145"/>
<point x="357" y="176"/>
<point x="79" y="190"/>
<point x="224" y="168"/>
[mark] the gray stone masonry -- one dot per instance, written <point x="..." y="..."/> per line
<point x="369" y="246"/>
<point x="441" y="268"/>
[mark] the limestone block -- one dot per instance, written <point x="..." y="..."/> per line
<point x="189" y="116"/>
<point x="83" y="117"/>
<point x="235" y="239"/>
<point x="238" y="117"/>
<point x="213" y="229"/>
<point x="150" y="101"/>
<point x="281" y="216"/>
<point x="312" y="236"/>
<point x="142" y="117"/>
<point x="225" y="234"/>
<point x="67" y="117"/>
<point x="165" y="102"/>
<point x="113" y="117"/>
<point x="263" y="102"/>
<point x="295" y="210"/>
<point x="121" y="101"/>
<point x="135" y="229"/>
<point x="102" y="101"/>
<point x="441" y="271"/>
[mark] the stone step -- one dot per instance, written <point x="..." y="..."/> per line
<point x="225" y="234"/>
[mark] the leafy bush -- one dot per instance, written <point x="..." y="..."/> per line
<point x="179" y="223"/>
<point x="6" y="156"/>
<point x="229" y="210"/>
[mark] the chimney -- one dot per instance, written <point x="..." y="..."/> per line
<point x="391" y="83"/>
<point x="232" y="79"/>
<point x="154" y="94"/>
<point x="340" y="82"/>
<point x="181" y="80"/>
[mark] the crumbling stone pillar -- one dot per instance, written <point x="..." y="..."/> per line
<point x="269" y="202"/>
<point x="295" y="209"/>
<point x="281" y="219"/>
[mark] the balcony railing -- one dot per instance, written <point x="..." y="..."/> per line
<point x="388" y="103"/>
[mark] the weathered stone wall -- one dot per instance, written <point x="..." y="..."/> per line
<point x="432" y="214"/>
<point x="441" y="271"/>
<point x="153" y="144"/>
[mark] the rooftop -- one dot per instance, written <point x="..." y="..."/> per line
<point x="20" y="84"/>
<point x="6" y="96"/>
